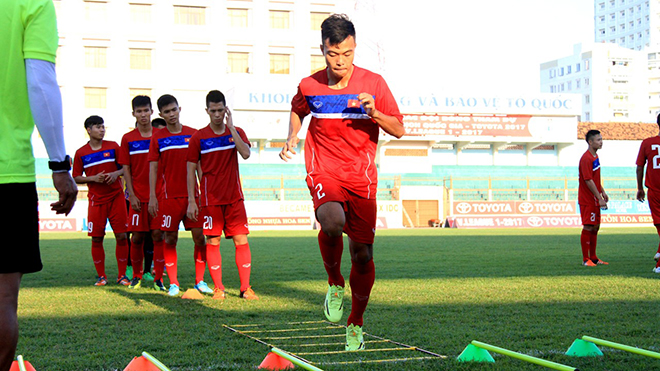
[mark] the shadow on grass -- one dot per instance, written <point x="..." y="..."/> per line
<point x="190" y="336"/>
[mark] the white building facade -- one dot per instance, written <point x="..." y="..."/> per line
<point x="631" y="24"/>
<point x="613" y="82"/>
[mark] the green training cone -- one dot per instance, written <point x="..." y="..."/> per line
<point x="581" y="348"/>
<point x="473" y="353"/>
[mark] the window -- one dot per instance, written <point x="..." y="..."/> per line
<point x="586" y="81"/>
<point x="238" y="62"/>
<point x="577" y="67"/>
<point x="561" y="71"/>
<point x="568" y="69"/>
<point x="587" y="99"/>
<point x="586" y="65"/>
<point x="587" y="116"/>
<point x="238" y="18"/>
<point x="316" y="18"/>
<point x="553" y="73"/>
<point x="601" y="31"/>
<point x="578" y="83"/>
<point x="95" y="97"/>
<point x="96" y="11"/>
<point x="95" y="57"/>
<point x="601" y="6"/>
<point x="189" y="15"/>
<point x="280" y="64"/>
<point x="139" y="91"/>
<point x="140" y="59"/>
<point x="140" y="13"/>
<point x="317" y="63"/>
<point x="569" y="85"/>
<point x="601" y="18"/>
<point x="279" y="19"/>
<point x="612" y="16"/>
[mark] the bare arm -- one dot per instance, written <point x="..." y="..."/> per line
<point x="128" y="177"/>
<point x="242" y="147"/>
<point x="153" y="197"/>
<point x="592" y="187"/>
<point x="390" y="124"/>
<point x="98" y="178"/>
<point x="295" y="123"/>
<point x="641" y="195"/>
<point x="191" y="179"/>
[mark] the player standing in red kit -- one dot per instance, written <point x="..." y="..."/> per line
<point x="167" y="158"/>
<point x="649" y="155"/>
<point x="591" y="198"/>
<point x="133" y="157"/>
<point x="96" y="165"/>
<point x="215" y="148"/>
<point x="349" y="106"/>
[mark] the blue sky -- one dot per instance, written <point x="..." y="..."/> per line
<point x="472" y="46"/>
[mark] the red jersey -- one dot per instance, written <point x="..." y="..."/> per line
<point x="170" y="150"/>
<point x="134" y="152"/>
<point x="649" y="154"/>
<point x="221" y="183"/>
<point x="589" y="170"/>
<point x="92" y="162"/>
<point x="342" y="139"/>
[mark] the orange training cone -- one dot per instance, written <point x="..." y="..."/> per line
<point x="192" y="294"/>
<point x="28" y="366"/>
<point x="275" y="362"/>
<point x="141" y="364"/>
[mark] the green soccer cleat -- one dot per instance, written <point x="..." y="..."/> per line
<point x="148" y="276"/>
<point x="136" y="283"/>
<point x="354" y="338"/>
<point x="158" y="286"/>
<point x="129" y="272"/>
<point x="334" y="303"/>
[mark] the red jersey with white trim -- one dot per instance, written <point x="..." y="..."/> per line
<point x="171" y="150"/>
<point x="221" y="183"/>
<point x="649" y="154"/>
<point x="134" y="152"/>
<point x="342" y="139"/>
<point x="589" y="170"/>
<point x="92" y="162"/>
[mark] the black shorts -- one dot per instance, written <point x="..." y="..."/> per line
<point x="19" y="223"/>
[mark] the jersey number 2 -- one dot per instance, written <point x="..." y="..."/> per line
<point x="319" y="194"/>
<point x="656" y="158"/>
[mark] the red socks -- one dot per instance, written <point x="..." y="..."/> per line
<point x="200" y="262"/>
<point x="159" y="260"/>
<point x="331" y="250"/>
<point x="137" y="257"/>
<point x="171" y="262"/>
<point x="121" y="253"/>
<point x="214" y="259"/>
<point x="244" y="265"/>
<point x="585" y="241"/>
<point x="592" y="246"/>
<point x="362" y="280"/>
<point x="98" y="257"/>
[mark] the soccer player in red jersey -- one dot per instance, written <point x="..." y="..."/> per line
<point x="167" y="158"/>
<point x="133" y="157"/>
<point x="591" y="198"/>
<point x="96" y="164"/>
<point x="649" y="155"/>
<point x="215" y="149"/>
<point x="349" y="106"/>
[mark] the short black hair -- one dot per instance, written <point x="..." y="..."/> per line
<point x="93" y="120"/>
<point x="166" y="100"/>
<point x="158" y="123"/>
<point x="141" y="101"/>
<point x="590" y="134"/>
<point x="658" y="119"/>
<point x="215" y="96"/>
<point x="336" y="28"/>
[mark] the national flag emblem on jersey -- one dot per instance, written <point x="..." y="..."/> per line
<point x="98" y="158"/>
<point x="173" y="142"/>
<point x="336" y="106"/>
<point x="216" y="144"/>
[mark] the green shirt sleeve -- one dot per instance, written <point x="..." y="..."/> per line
<point x="40" y="40"/>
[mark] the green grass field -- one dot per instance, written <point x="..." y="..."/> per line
<point x="436" y="289"/>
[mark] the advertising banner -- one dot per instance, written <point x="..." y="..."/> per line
<point x="518" y="221"/>
<point x="514" y="208"/>
<point x="496" y="126"/>
<point x="627" y="207"/>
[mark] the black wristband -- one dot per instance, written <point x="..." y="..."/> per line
<point x="60" y="165"/>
